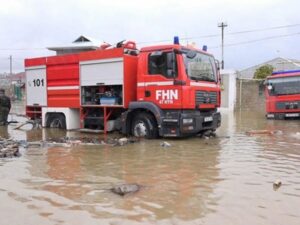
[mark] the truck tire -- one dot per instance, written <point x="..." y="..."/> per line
<point x="144" y="125"/>
<point x="56" y="121"/>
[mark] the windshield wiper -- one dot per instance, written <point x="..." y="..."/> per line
<point x="203" y="78"/>
<point x="207" y="79"/>
<point x="195" y="78"/>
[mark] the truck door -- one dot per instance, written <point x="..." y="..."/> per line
<point x="36" y="86"/>
<point x="159" y="80"/>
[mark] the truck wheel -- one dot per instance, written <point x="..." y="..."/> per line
<point x="56" y="121"/>
<point x="144" y="125"/>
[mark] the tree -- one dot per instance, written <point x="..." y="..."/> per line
<point x="263" y="71"/>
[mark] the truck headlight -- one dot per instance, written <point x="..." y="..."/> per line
<point x="187" y="121"/>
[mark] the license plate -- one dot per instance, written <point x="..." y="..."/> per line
<point x="292" y="115"/>
<point x="208" y="119"/>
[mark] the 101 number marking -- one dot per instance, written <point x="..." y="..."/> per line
<point x="38" y="82"/>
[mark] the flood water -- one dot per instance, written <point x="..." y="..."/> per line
<point x="225" y="180"/>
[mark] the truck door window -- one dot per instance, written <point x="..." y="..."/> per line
<point x="163" y="63"/>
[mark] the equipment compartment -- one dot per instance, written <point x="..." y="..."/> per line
<point x="102" y="95"/>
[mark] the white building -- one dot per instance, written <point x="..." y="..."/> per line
<point x="81" y="44"/>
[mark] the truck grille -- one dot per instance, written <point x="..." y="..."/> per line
<point x="205" y="97"/>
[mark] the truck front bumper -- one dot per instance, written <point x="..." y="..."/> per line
<point x="282" y="116"/>
<point x="188" y="123"/>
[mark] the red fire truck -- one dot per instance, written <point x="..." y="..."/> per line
<point x="168" y="90"/>
<point x="283" y="95"/>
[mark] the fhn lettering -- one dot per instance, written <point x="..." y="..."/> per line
<point x="166" y="96"/>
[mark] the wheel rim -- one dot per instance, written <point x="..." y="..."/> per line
<point x="140" y="129"/>
<point x="56" y="123"/>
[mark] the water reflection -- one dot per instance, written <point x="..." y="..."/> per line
<point x="177" y="181"/>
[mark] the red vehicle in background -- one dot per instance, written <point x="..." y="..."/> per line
<point x="169" y="90"/>
<point x="283" y="95"/>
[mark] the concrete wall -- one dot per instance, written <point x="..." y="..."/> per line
<point x="250" y="95"/>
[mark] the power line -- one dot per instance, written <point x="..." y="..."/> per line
<point x="230" y="33"/>
<point x="247" y="31"/>
<point x="21" y="49"/>
<point x="7" y="58"/>
<point x="257" y="40"/>
<point x="263" y="29"/>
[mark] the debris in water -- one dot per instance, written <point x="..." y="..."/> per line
<point x="254" y="132"/>
<point x="296" y="135"/>
<point x="123" y="141"/>
<point x="9" y="148"/>
<point x="225" y="137"/>
<point x="125" y="189"/>
<point x="276" y="185"/>
<point x="12" y="121"/>
<point x="75" y="142"/>
<point x="277" y="132"/>
<point x="165" y="144"/>
<point x="207" y="134"/>
<point x="35" y="124"/>
<point x="70" y="142"/>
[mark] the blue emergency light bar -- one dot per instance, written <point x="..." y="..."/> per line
<point x="176" y="40"/>
<point x="285" y="72"/>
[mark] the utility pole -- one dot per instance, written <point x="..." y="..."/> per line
<point x="222" y="25"/>
<point x="10" y="65"/>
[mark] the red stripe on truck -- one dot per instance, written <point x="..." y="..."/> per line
<point x="63" y="98"/>
<point x="62" y="75"/>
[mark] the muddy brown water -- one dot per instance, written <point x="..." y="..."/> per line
<point x="225" y="180"/>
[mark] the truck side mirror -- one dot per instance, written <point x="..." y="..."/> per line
<point x="170" y="60"/>
<point x="170" y="73"/>
<point x="171" y="65"/>
<point x="217" y="64"/>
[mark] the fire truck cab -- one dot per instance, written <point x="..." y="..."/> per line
<point x="283" y="95"/>
<point x="168" y="90"/>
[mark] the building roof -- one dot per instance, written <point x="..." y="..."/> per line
<point x="80" y="43"/>
<point x="279" y="64"/>
<point x="17" y="77"/>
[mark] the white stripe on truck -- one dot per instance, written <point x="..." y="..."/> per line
<point x="158" y="83"/>
<point x="63" y="88"/>
<point x="200" y="84"/>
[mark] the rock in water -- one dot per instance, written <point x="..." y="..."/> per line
<point x="125" y="189"/>
<point x="165" y="144"/>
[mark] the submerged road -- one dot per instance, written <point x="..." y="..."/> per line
<point x="223" y="180"/>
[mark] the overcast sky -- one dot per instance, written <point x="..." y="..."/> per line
<point x="27" y="27"/>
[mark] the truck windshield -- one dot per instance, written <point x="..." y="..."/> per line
<point x="284" y="85"/>
<point x="201" y="67"/>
